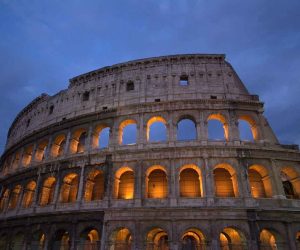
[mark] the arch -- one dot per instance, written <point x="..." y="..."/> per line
<point x="15" y="196"/>
<point x="157" y="239"/>
<point x="29" y="194"/>
<point x="128" y="132"/>
<point x="69" y="188"/>
<point x="47" y="193"/>
<point x="38" y="240"/>
<point x="100" y="137"/>
<point x="260" y="182"/>
<point x="194" y="239"/>
<point x="78" y="142"/>
<point x="225" y="179"/>
<point x="214" y="131"/>
<point x="90" y="239"/>
<point x="186" y="129"/>
<point x="291" y="182"/>
<point x="58" y="146"/>
<point x="18" y="241"/>
<point x="156" y="182"/>
<point x="298" y="240"/>
<point x="41" y="151"/>
<point x="190" y="183"/>
<point x="120" y="239"/>
<point x="94" y="187"/>
<point x="27" y="155"/>
<point x="16" y="160"/>
<point x="61" y="240"/>
<point x="3" y="241"/>
<point x="250" y="124"/>
<point x="268" y="240"/>
<point x="124" y="183"/>
<point x="156" y="129"/>
<point x="4" y="200"/>
<point x="231" y="238"/>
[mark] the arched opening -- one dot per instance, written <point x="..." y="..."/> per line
<point x="47" y="193"/>
<point x="29" y="194"/>
<point x="120" y="239"/>
<point x="58" y="146"/>
<point x="41" y="150"/>
<point x="193" y="239"/>
<point x="268" y="240"/>
<point x="291" y="182"/>
<point x="231" y="238"/>
<point x="157" y="239"/>
<point x="89" y="240"/>
<point x="3" y="241"/>
<point x="298" y="240"/>
<point x="225" y="181"/>
<point x="156" y="129"/>
<point x="27" y="155"/>
<point x="16" y="160"/>
<point x="247" y="128"/>
<point x="15" y="196"/>
<point x="69" y="188"/>
<point x="4" y="200"/>
<point x="217" y="127"/>
<point x="190" y="182"/>
<point x="18" y="241"/>
<point x="62" y="240"/>
<point x="128" y="132"/>
<point x="157" y="183"/>
<point x="100" y="138"/>
<point x="94" y="188"/>
<point x="124" y="183"/>
<point x="38" y="241"/>
<point x="77" y="144"/>
<point x="186" y="130"/>
<point x="260" y="182"/>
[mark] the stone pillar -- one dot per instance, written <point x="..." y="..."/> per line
<point x="202" y="130"/>
<point x="141" y="139"/>
<point x="34" y="150"/>
<point x="254" y="230"/>
<point x="172" y="137"/>
<point x="81" y="185"/>
<point x="48" y="148"/>
<point x="291" y="238"/>
<point x="138" y="184"/>
<point x="172" y="184"/>
<point x="37" y="191"/>
<point x="208" y="180"/>
<point x="19" y="202"/>
<point x="88" y="140"/>
<point x="57" y="187"/>
<point x="278" y="187"/>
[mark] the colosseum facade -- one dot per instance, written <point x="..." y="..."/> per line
<point x="85" y="169"/>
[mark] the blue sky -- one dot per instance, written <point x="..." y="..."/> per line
<point x="45" y="43"/>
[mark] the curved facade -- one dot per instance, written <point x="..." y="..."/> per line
<point x="87" y="169"/>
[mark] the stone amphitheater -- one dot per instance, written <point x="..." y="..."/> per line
<point x="86" y="169"/>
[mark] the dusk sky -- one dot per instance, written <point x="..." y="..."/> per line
<point x="45" y="43"/>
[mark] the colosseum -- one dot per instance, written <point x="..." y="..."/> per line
<point x="149" y="154"/>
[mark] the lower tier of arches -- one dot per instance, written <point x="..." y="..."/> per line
<point x="154" y="229"/>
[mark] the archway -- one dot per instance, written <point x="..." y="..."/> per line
<point x="94" y="188"/>
<point x="157" y="183"/>
<point x="29" y="194"/>
<point x="247" y="128"/>
<point x="58" y="146"/>
<point x="4" y="200"/>
<point x="47" y="192"/>
<point x="27" y="155"/>
<point x="41" y="151"/>
<point x="291" y="182"/>
<point x="14" y="198"/>
<point x="186" y="130"/>
<point x="69" y="188"/>
<point x="193" y="239"/>
<point x="124" y="183"/>
<point x="217" y="127"/>
<point x="89" y="239"/>
<point x="121" y="239"/>
<point x="128" y="132"/>
<point x="61" y="241"/>
<point x="157" y="239"/>
<point x="38" y="240"/>
<point x="78" y="142"/>
<point x="232" y="239"/>
<point x="156" y="129"/>
<point x="190" y="181"/>
<point x="268" y="240"/>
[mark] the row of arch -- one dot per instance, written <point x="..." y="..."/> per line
<point x="156" y="185"/>
<point x="156" y="131"/>
<point x="156" y="239"/>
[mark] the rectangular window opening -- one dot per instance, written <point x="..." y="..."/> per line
<point x="184" y="80"/>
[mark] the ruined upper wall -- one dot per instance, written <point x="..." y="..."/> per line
<point x="209" y="77"/>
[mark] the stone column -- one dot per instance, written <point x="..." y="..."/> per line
<point x="171" y="184"/>
<point x="37" y="191"/>
<point x="278" y="191"/>
<point x="57" y="187"/>
<point x="20" y="164"/>
<point x="202" y="130"/>
<point x="208" y="181"/>
<point x="88" y="140"/>
<point x="291" y="238"/>
<point x="141" y="139"/>
<point x="171" y="131"/>
<point x="48" y="148"/>
<point x="34" y="150"/>
<point x="68" y="141"/>
<point x="233" y="127"/>
<point x="138" y="184"/>
<point x="80" y="186"/>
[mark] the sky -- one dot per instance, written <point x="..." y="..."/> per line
<point x="44" y="43"/>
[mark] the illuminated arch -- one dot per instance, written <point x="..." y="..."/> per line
<point x="157" y="239"/>
<point x="268" y="239"/>
<point x="4" y="200"/>
<point x="231" y="238"/>
<point x="58" y="146"/>
<point x="90" y="239"/>
<point x="61" y="240"/>
<point x="69" y="188"/>
<point x="190" y="181"/>
<point x="14" y="197"/>
<point x="291" y="182"/>
<point x="151" y="121"/>
<point x="226" y="183"/>
<point x="78" y="142"/>
<point x="252" y="124"/>
<point x="156" y="182"/>
<point x="98" y="134"/>
<point x="193" y="238"/>
<point x="16" y="160"/>
<point x="122" y="127"/>
<point x="38" y="240"/>
<point x="27" y="155"/>
<point x="29" y="194"/>
<point x="94" y="188"/>
<point x="298" y="240"/>
<point x="120" y="239"/>
<point x="41" y="151"/>
<point x="260" y="182"/>
<point x="221" y="119"/>
<point x="47" y="191"/>
<point x="186" y="129"/>
<point x="124" y="183"/>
